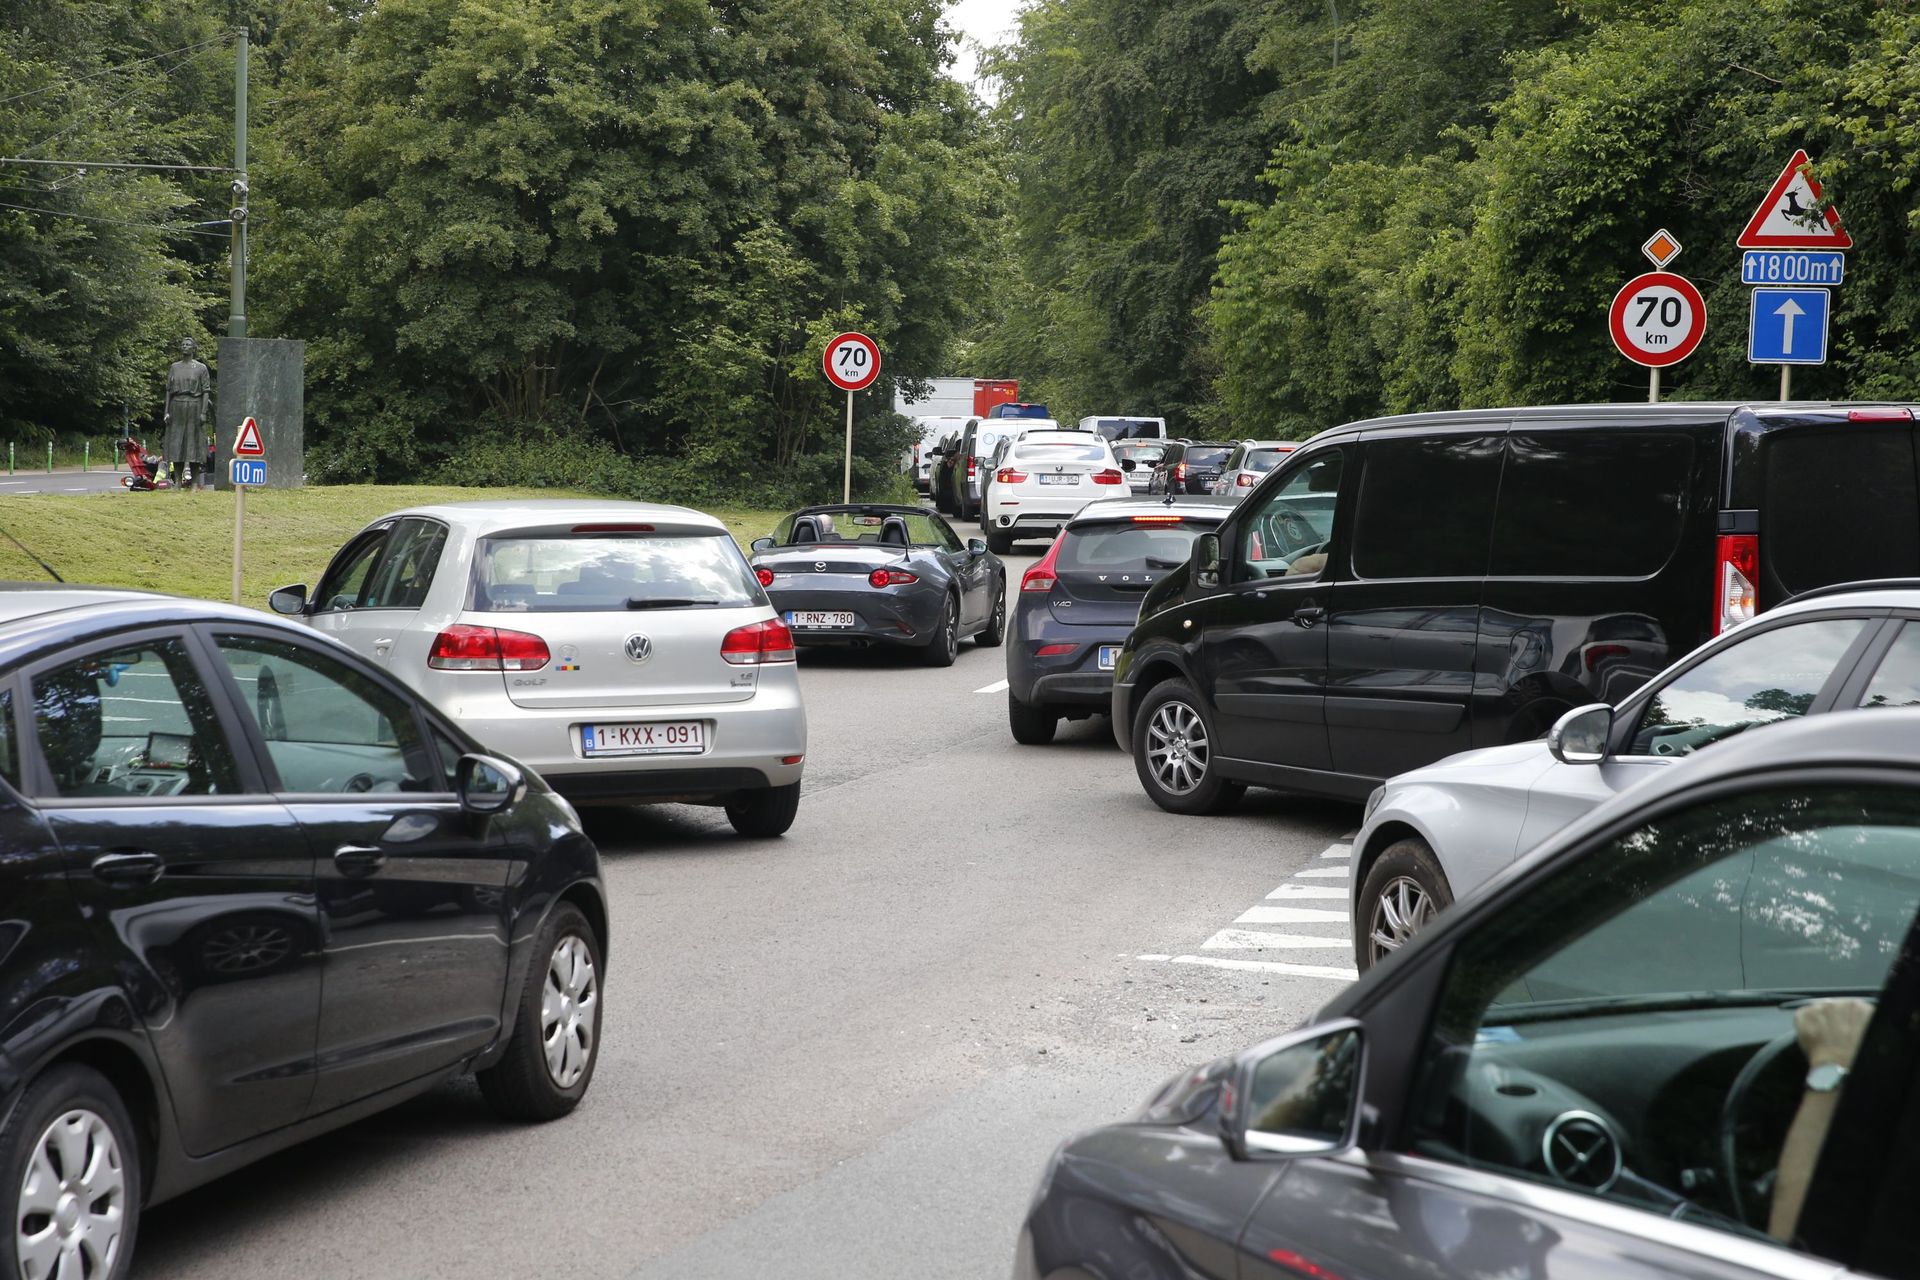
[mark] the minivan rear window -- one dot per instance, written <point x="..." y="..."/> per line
<point x="1264" y="460"/>
<point x="1206" y="455"/>
<point x="1143" y="546"/>
<point x="583" y="573"/>
<point x="1590" y="504"/>
<point x="1839" y="506"/>
<point x="1126" y="428"/>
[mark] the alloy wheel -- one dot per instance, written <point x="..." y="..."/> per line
<point x="950" y="629"/>
<point x="1177" y="747"/>
<point x="246" y="948"/>
<point x="73" y="1201"/>
<point x="566" y="1011"/>
<point x="1403" y="907"/>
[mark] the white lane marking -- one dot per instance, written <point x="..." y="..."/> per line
<point x="1154" y="955"/>
<point x="1290" y="915"/>
<point x="73" y="490"/>
<point x="998" y="686"/>
<point x="1322" y="873"/>
<point x="1337" y="851"/>
<point x="1272" y="966"/>
<point x="1308" y="891"/>
<point x="1259" y="938"/>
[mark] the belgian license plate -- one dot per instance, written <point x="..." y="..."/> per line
<point x="1059" y="479"/>
<point x="1108" y="652"/>
<point x="818" y="618"/>
<point x="645" y="738"/>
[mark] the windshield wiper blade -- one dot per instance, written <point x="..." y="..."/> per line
<point x="666" y="602"/>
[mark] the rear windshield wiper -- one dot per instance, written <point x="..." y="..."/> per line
<point x="666" y="602"/>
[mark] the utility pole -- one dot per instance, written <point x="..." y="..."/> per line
<point x="237" y="316"/>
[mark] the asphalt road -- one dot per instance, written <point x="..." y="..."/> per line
<point x="99" y="480"/>
<point x="846" y="1053"/>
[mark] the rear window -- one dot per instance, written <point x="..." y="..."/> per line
<point x="1060" y="451"/>
<point x="1207" y="455"/>
<point x="1125" y="428"/>
<point x="1021" y="411"/>
<point x="1264" y="459"/>
<point x="1591" y="504"/>
<point x="1839" y="506"/>
<point x="582" y="573"/>
<point x="1140" y="451"/>
<point x="1133" y="547"/>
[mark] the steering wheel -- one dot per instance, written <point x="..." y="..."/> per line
<point x="1293" y="525"/>
<point x="359" y="782"/>
<point x="1732" y="1112"/>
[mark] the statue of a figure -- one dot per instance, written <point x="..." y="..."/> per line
<point x="189" y="392"/>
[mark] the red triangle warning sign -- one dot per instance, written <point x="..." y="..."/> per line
<point x="248" y="443"/>
<point x="1791" y="217"/>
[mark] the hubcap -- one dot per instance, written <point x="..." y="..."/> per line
<point x="1177" y="748"/>
<point x="1403" y="907"/>
<point x="73" y="1201"/>
<point x="566" y="1011"/>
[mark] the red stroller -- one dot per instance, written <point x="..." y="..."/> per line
<point x="143" y="466"/>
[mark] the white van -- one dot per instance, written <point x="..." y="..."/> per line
<point x="1112" y="427"/>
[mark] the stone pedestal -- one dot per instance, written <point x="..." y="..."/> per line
<point x="265" y="379"/>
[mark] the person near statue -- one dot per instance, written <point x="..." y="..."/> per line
<point x="189" y="398"/>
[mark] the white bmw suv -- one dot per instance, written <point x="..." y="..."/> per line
<point x="1043" y="480"/>
<point x="625" y="650"/>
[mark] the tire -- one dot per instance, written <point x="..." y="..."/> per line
<point x="764" y="814"/>
<point x="1032" y="726"/>
<point x="72" y="1108"/>
<point x="1183" y="778"/>
<point x="522" y="1085"/>
<point x="998" y="542"/>
<point x="995" y="633"/>
<point x="1404" y="889"/>
<point x="944" y="647"/>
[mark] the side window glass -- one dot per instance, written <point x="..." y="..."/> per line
<point x="403" y="575"/>
<point x="1305" y="1092"/>
<point x="1774" y="675"/>
<point x="1590" y="504"/>
<point x="1287" y="536"/>
<point x="1426" y="507"/>
<point x="9" y="741"/>
<point x="345" y="585"/>
<point x="1641" y="1026"/>
<point x="1897" y="682"/>
<point x="132" y="722"/>
<point x="448" y="752"/>
<point x="328" y="728"/>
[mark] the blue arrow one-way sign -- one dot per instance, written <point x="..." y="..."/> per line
<point x="1789" y="326"/>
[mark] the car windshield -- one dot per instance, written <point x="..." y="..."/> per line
<point x="579" y="573"/>
<point x="1206" y="455"/>
<point x="1060" y="451"/>
<point x="861" y="525"/>
<point x="1264" y="459"/>
<point x="1140" y="545"/>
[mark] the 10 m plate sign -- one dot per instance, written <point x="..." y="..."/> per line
<point x="1657" y="319"/>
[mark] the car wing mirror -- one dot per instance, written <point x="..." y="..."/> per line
<point x="1580" y="736"/>
<point x="289" y="600"/>
<point x="1206" y="560"/>
<point x="761" y="544"/>
<point x="1298" y="1095"/>
<point x="488" y="784"/>
<point x="977" y="545"/>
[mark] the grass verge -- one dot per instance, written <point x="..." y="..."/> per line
<point x="183" y="542"/>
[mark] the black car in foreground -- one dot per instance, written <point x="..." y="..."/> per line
<point x="866" y="575"/>
<point x="1677" y="1041"/>
<point x="254" y="889"/>
<point x="1076" y="605"/>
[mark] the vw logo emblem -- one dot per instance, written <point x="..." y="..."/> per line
<point x="639" y="648"/>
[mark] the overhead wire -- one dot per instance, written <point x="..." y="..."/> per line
<point x="174" y="228"/>
<point x="106" y="71"/>
<point x="81" y="118"/>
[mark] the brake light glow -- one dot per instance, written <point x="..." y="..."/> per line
<point x="1007" y="475"/>
<point x="1180" y="471"/>
<point x="891" y="578"/>
<point x="1039" y="577"/>
<point x="1243" y="481"/>
<point x="1735" y="573"/>
<point x="758" y="642"/>
<point x="1052" y="650"/>
<point x="613" y="528"/>
<point x="469" y="648"/>
<point x="973" y="468"/>
<point x="1879" y="415"/>
<point x="1110" y="476"/>
<point x="1156" y="519"/>
<point x="1599" y="653"/>
<point x="765" y="576"/>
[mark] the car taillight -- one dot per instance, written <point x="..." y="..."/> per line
<point x="973" y="468"/>
<point x="891" y="578"/>
<point x="1180" y="471"/>
<point x="1109" y="476"/>
<point x="1243" y="480"/>
<point x="758" y="642"/>
<point x="765" y="576"/>
<point x="1599" y="653"/>
<point x="1736" y="570"/>
<point x="1007" y="475"/>
<point x="1156" y="519"/>
<point x="1039" y="577"/>
<point x="1053" y="650"/>
<point x="1879" y="415"/>
<point x="469" y="648"/>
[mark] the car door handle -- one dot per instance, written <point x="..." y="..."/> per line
<point x="130" y="867"/>
<point x="358" y="860"/>
<point x="1308" y="615"/>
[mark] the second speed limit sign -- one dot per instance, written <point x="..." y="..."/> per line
<point x="852" y="362"/>
<point x="1657" y="319"/>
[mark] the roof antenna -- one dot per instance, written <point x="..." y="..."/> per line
<point x="36" y="559"/>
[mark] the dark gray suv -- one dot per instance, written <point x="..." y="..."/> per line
<point x="1680" y="1039"/>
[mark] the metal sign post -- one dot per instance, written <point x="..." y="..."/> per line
<point x="846" y="470"/>
<point x="852" y="362"/>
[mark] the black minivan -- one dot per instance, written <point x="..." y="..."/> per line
<point x="1403" y="588"/>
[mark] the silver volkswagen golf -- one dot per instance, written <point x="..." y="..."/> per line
<point x="625" y="650"/>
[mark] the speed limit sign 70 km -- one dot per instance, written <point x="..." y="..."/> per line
<point x="852" y="362"/>
<point x="1658" y="319"/>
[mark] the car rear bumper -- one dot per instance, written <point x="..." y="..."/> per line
<point x="880" y="616"/>
<point x="1072" y="679"/>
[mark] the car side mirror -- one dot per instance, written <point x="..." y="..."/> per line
<point x="1299" y="1095"/>
<point x="1580" y="736"/>
<point x="762" y="544"/>
<point x="489" y="785"/>
<point x="289" y="600"/>
<point x="1206" y="560"/>
<point x="978" y="546"/>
